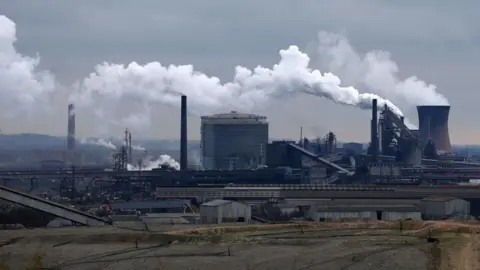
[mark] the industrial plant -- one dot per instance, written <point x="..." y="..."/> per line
<point x="234" y="141"/>
<point x="239" y="163"/>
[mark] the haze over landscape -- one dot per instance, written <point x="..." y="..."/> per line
<point x="426" y="60"/>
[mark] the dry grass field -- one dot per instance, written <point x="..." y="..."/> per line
<point x="358" y="245"/>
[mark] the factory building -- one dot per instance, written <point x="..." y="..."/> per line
<point x="364" y="212"/>
<point x="279" y="155"/>
<point x="443" y="207"/>
<point x="233" y="141"/>
<point x="354" y="147"/>
<point x="223" y="211"/>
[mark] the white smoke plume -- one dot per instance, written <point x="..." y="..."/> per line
<point x="374" y="70"/>
<point x="195" y="159"/>
<point x="134" y="147"/>
<point x="151" y="163"/>
<point x="100" y="142"/>
<point x="154" y="83"/>
<point x="22" y="86"/>
<point x="138" y="148"/>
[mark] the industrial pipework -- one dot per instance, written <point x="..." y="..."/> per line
<point x="433" y="124"/>
<point x="183" y="135"/>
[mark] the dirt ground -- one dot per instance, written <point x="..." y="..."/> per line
<point x="291" y="246"/>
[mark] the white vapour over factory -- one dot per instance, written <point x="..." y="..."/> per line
<point x="142" y="86"/>
<point x="100" y="142"/>
<point x="151" y="163"/>
<point x="22" y="86"/>
<point x="249" y="89"/>
<point x="374" y="70"/>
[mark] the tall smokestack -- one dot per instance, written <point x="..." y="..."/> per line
<point x="125" y="141"/>
<point x="130" y="156"/>
<point x="183" y="135"/>
<point x="71" y="133"/>
<point x="433" y="124"/>
<point x="374" y="130"/>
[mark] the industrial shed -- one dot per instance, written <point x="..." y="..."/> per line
<point x="364" y="212"/>
<point x="444" y="207"/>
<point x="223" y="211"/>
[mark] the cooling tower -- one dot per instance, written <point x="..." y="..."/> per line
<point x="433" y="124"/>
<point x="183" y="134"/>
<point x="71" y="128"/>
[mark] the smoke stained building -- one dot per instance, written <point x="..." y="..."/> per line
<point x="233" y="141"/>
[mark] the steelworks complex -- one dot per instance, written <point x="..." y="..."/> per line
<point x="244" y="173"/>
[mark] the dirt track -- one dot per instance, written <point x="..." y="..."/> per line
<point x="467" y="257"/>
<point x="343" y="247"/>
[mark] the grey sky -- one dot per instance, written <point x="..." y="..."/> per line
<point x="434" y="40"/>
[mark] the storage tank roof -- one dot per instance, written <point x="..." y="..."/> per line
<point x="235" y="115"/>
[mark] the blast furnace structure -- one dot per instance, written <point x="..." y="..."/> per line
<point x="233" y="141"/>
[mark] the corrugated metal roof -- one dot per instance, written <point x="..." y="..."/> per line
<point x="362" y="208"/>
<point x="234" y="115"/>
<point x="150" y="204"/>
<point x="216" y="203"/>
<point x="438" y="199"/>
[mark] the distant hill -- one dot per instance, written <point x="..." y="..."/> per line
<point x="30" y="140"/>
<point x="26" y="141"/>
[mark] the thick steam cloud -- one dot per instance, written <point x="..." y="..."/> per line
<point x="143" y="86"/>
<point x="22" y="86"/>
<point x="99" y="142"/>
<point x="249" y="89"/>
<point x="375" y="71"/>
<point x="151" y="163"/>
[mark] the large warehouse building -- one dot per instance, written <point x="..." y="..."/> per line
<point x="233" y="141"/>
<point x="223" y="211"/>
<point x="442" y="207"/>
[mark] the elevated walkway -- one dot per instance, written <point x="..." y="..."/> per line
<point x="50" y="207"/>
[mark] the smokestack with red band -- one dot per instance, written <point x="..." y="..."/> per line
<point x="183" y="134"/>
<point x="433" y="124"/>
<point x="71" y="128"/>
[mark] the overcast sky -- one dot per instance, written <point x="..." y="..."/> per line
<point x="437" y="41"/>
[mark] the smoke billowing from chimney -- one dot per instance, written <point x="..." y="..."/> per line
<point x="142" y="86"/>
<point x="374" y="70"/>
<point x="248" y="90"/>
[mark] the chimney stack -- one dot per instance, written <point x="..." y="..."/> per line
<point x="183" y="135"/>
<point x="71" y="133"/>
<point x="433" y="124"/>
<point x="130" y="156"/>
<point x="374" y="131"/>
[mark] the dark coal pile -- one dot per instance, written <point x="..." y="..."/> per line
<point x="27" y="217"/>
